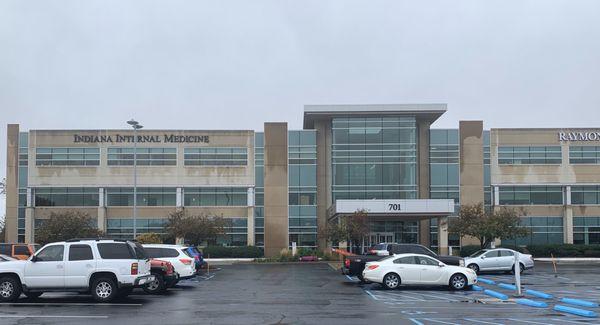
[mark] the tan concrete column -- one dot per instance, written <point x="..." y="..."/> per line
<point x="276" y="188"/>
<point x="423" y="177"/>
<point x="471" y="162"/>
<point x="101" y="220"/>
<point x="442" y="235"/>
<point x="29" y="225"/>
<point x="568" y="225"/>
<point x="12" y="183"/>
<point x="324" y="177"/>
<point x="250" y="240"/>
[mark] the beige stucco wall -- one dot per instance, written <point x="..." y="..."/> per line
<point x="564" y="173"/>
<point x="276" y="188"/>
<point x="12" y="183"/>
<point x="105" y="175"/>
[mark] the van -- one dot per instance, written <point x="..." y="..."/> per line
<point x="19" y="251"/>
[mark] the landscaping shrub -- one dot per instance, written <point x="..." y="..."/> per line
<point x="232" y="252"/>
<point x="564" y="250"/>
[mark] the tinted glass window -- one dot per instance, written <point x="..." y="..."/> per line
<point x="140" y="253"/>
<point x="427" y="261"/>
<point x="157" y="252"/>
<point x="22" y="250"/>
<point x="406" y="260"/>
<point x="423" y="250"/>
<point x="5" y="249"/>
<point x="80" y="253"/>
<point x="51" y="254"/>
<point x="506" y="253"/>
<point x="492" y="254"/>
<point x="117" y="251"/>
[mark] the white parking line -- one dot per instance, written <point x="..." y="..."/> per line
<point x="439" y="321"/>
<point x="372" y="295"/>
<point x="570" y="321"/>
<point x="481" y="321"/>
<point x="415" y="321"/>
<point x="54" y="316"/>
<point x="440" y="297"/>
<point x="526" y="321"/>
<point x="406" y="296"/>
<point x="65" y="304"/>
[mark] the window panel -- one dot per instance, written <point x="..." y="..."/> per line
<point x="529" y="155"/>
<point x="217" y="156"/>
<point x="67" y="156"/>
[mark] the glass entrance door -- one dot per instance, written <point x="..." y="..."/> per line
<point x="379" y="237"/>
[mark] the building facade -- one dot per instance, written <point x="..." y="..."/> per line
<point x="281" y="186"/>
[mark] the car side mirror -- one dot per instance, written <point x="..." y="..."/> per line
<point x="482" y="257"/>
<point x="440" y="264"/>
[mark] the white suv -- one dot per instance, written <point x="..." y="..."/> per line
<point x="184" y="264"/>
<point x="103" y="267"/>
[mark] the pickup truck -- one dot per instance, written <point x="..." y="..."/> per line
<point x="354" y="265"/>
<point x="105" y="268"/>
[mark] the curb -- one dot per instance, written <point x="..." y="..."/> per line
<point x="569" y="260"/>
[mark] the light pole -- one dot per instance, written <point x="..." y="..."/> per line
<point x="136" y="126"/>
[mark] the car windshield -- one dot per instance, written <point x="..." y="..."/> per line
<point x="477" y="253"/>
<point x="378" y="247"/>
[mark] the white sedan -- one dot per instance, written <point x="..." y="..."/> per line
<point x="417" y="269"/>
<point x="498" y="259"/>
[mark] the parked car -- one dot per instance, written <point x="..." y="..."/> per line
<point x="184" y="265"/>
<point x="498" y="259"/>
<point x="5" y="258"/>
<point x="194" y="253"/>
<point x="417" y="269"/>
<point x="19" y="251"/>
<point x="105" y="268"/>
<point x="354" y="265"/>
<point x="164" y="277"/>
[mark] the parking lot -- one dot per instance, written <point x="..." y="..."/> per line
<point x="310" y="294"/>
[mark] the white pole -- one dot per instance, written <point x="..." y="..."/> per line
<point x="134" y="182"/>
<point x="518" y="274"/>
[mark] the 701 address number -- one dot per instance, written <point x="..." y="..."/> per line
<point x="394" y="207"/>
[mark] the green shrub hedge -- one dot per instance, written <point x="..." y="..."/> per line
<point x="564" y="250"/>
<point x="232" y="252"/>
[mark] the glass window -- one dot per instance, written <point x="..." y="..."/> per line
<point x="21" y="250"/>
<point x="67" y="156"/>
<point x="427" y="261"/>
<point x="6" y="249"/>
<point x="584" y="154"/>
<point x="505" y="253"/>
<point x="66" y="196"/>
<point x="219" y="156"/>
<point x="530" y="195"/>
<point x="215" y="196"/>
<point x="529" y="155"/>
<point x="492" y="254"/>
<point x="116" y="251"/>
<point x="144" y="156"/>
<point x="542" y="230"/>
<point x="53" y="253"/>
<point x="146" y="196"/>
<point x="585" y="195"/>
<point x="406" y="260"/>
<point x="80" y="253"/>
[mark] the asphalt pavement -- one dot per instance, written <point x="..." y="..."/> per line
<point x="311" y="293"/>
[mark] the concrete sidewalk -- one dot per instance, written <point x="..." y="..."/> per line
<point x="569" y="260"/>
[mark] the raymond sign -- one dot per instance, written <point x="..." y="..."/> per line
<point x="579" y="136"/>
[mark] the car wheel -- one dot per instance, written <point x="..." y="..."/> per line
<point x="10" y="289"/>
<point x="157" y="286"/>
<point x="521" y="267"/>
<point x="458" y="282"/>
<point x="474" y="267"/>
<point x="391" y="281"/>
<point x="104" y="289"/>
<point x="33" y="295"/>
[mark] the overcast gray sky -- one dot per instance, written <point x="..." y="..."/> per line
<point x="236" y="64"/>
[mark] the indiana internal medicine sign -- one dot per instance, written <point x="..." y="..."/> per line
<point x="164" y="138"/>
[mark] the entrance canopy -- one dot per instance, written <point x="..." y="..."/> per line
<point x="422" y="208"/>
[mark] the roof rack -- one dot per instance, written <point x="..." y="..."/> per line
<point x="73" y="240"/>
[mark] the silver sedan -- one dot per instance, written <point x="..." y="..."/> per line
<point x="498" y="259"/>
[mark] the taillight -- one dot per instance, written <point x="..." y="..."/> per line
<point x="347" y="263"/>
<point x="134" y="268"/>
<point x="185" y="261"/>
<point x="372" y="267"/>
<point x="197" y="257"/>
